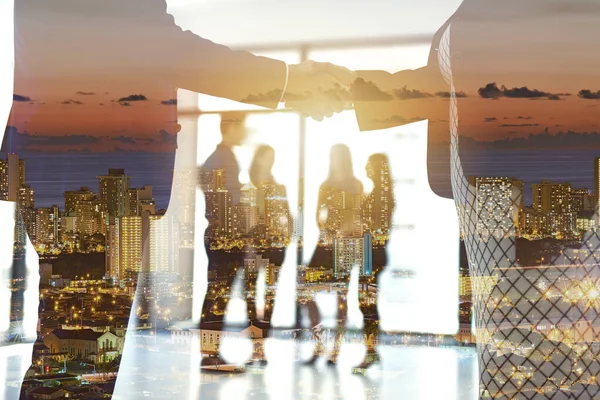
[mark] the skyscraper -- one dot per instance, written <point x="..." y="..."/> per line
<point x="349" y="252"/>
<point x="47" y="226"/>
<point x="13" y="171"/>
<point x="113" y="192"/>
<point x="380" y="203"/>
<point x="163" y="244"/>
<point x="499" y="205"/>
<point x="130" y="245"/>
<point x="113" y="248"/>
<point x="140" y="199"/>
<point x="554" y="200"/>
<point x="582" y="201"/>
<point x="84" y="205"/>
<point x="26" y="209"/>
<point x="12" y="179"/>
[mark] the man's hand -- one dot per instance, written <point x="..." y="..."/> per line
<point x="318" y="89"/>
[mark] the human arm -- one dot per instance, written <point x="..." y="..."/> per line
<point x="384" y="100"/>
<point x="188" y="61"/>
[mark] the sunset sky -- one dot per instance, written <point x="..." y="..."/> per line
<point x="84" y="82"/>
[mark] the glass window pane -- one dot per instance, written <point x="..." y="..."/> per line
<point x="387" y="58"/>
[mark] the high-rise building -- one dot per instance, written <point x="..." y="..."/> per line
<point x="130" y="245"/>
<point x="353" y="251"/>
<point x="12" y="179"/>
<point x="139" y="200"/>
<point x="47" y="226"/>
<point x="499" y="204"/>
<point x="113" y="247"/>
<point x="69" y="235"/>
<point x="554" y="200"/>
<point x="218" y="213"/>
<point x="582" y="201"/>
<point x="163" y="244"/>
<point x="113" y="192"/>
<point x="244" y="218"/>
<point x="253" y="265"/>
<point x="533" y="222"/>
<point x="379" y="205"/>
<point x="84" y="205"/>
<point x="127" y="237"/>
<point x="26" y="209"/>
<point x="12" y="176"/>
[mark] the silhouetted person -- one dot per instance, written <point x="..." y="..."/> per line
<point x="222" y="162"/>
<point x="340" y="198"/>
<point x="379" y="209"/>
<point x="272" y="205"/>
<point x="272" y="199"/>
<point x="219" y="180"/>
<point x="272" y="202"/>
<point x="339" y="212"/>
<point x="510" y="75"/>
<point x="100" y="76"/>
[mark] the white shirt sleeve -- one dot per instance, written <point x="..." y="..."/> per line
<point x="287" y="75"/>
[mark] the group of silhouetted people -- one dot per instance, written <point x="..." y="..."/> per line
<point x="340" y="204"/>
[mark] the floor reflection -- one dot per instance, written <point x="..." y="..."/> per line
<point x="418" y="372"/>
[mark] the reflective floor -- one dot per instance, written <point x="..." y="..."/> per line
<point x="418" y="372"/>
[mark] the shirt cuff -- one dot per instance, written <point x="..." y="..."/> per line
<point x="287" y="75"/>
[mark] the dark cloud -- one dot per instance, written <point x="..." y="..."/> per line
<point x="167" y="138"/>
<point x="101" y="104"/>
<point x="70" y="101"/>
<point x="19" y="141"/>
<point x="410" y="94"/>
<point x="125" y="104"/>
<point x="170" y="102"/>
<point x="491" y="91"/>
<point x="133" y="97"/>
<point x="269" y="97"/>
<point x="542" y="141"/>
<point x="368" y="91"/>
<point x="85" y="93"/>
<point x="20" y="98"/>
<point x="490" y="119"/>
<point x="446" y="95"/>
<point x="400" y="120"/>
<point x="517" y="125"/>
<point x="125" y="139"/>
<point x="521" y="117"/>
<point x="588" y="94"/>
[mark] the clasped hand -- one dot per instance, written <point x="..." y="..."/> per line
<point x="317" y="89"/>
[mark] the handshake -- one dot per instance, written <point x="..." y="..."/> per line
<point x="318" y="89"/>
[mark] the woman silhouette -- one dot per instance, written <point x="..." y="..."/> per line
<point x="339" y="215"/>
<point x="273" y="207"/>
<point x="340" y="198"/>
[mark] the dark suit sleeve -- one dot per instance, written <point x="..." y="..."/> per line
<point x="384" y="100"/>
<point x="190" y="62"/>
